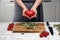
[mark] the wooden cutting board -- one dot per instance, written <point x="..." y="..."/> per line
<point x="18" y="28"/>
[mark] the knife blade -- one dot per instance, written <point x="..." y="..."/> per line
<point x="50" y="28"/>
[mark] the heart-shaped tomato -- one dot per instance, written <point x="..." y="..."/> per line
<point x="30" y="13"/>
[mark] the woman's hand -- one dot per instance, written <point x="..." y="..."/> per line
<point x="23" y="12"/>
<point x="34" y="9"/>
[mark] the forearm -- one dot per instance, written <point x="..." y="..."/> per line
<point x="37" y="3"/>
<point x="20" y="3"/>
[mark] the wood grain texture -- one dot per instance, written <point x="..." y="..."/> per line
<point x="18" y="28"/>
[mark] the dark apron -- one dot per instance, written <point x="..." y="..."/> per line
<point x="29" y="3"/>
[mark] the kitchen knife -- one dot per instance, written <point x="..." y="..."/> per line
<point x="50" y="28"/>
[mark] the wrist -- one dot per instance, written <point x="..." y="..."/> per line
<point x="33" y="8"/>
<point x="24" y="8"/>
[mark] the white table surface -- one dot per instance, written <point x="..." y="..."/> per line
<point x="9" y="35"/>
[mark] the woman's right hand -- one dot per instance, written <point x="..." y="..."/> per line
<point x="23" y="12"/>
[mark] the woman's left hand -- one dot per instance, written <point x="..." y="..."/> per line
<point x="34" y="9"/>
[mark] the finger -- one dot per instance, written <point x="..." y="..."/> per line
<point x="35" y="14"/>
<point x="32" y="17"/>
<point x="26" y="16"/>
<point x="22" y="13"/>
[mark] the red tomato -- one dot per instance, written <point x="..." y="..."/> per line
<point x="44" y="34"/>
<point x="47" y="33"/>
<point x="30" y="13"/>
<point x="10" y="27"/>
<point x="41" y="35"/>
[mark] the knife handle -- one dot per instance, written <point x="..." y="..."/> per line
<point x="47" y="23"/>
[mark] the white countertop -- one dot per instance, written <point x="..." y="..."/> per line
<point x="9" y="35"/>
